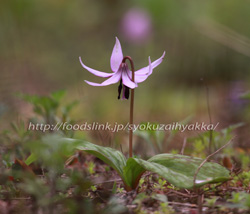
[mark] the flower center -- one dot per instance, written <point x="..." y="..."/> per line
<point x="119" y="89"/>
<point x="125" y="91"/>
<point x="122" y="87"/>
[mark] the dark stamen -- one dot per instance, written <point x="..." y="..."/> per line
<point x="126" y="92"/>
<point x="119" y="89"/>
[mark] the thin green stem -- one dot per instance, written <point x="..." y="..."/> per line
<point x="131" y="120"/>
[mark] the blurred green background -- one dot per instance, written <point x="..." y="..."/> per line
<point x="207" y="46"/>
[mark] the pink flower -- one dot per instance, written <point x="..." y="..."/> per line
<point x="121" y="72"/>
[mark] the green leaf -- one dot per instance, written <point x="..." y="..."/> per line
<point x="114" y="188"/>
<point x="44" y="105"/>
<point x="58" y="95"/>
<point x="229" y="129"/>
<point x="132" y="172"/>
<point x="179" y="170"/>
<point x="66" y="109"/>
<point x="110" y="156"/>
<point x="32" y="158"/>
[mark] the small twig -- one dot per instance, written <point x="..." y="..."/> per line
<point x="182" y="204"/>
<point x="207" y="158"/>
<point x="102" y="198"/>
<point x="182" y="194"/>
<point x="121" y="148"/>
<point x="105" y="182"/>
<point x="43" y="174"/>
<point x="187" y="191"/>
<point x="214" y="187"/>
<point x="28" y="198"/>
<point x="200" y="202"/>
<point x="210" y="121"/>
<point x="183" y="146"/>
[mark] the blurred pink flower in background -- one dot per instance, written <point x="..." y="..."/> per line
<point x="136" y="25"/>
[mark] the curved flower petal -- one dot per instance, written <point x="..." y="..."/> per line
<point x="117" y="56"/>
<point x="95" y="72"/>
<point x="141" y="78"/>
<point x="112" y="80"/>
<point x="127" y="81"/>
<point x="145" y="70"/>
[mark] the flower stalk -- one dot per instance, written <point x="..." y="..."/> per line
<point x="131" y="118"/>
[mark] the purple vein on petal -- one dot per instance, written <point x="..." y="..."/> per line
<point x="95" y="72"/>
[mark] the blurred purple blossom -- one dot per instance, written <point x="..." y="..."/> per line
<point x="136" y="25"/>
